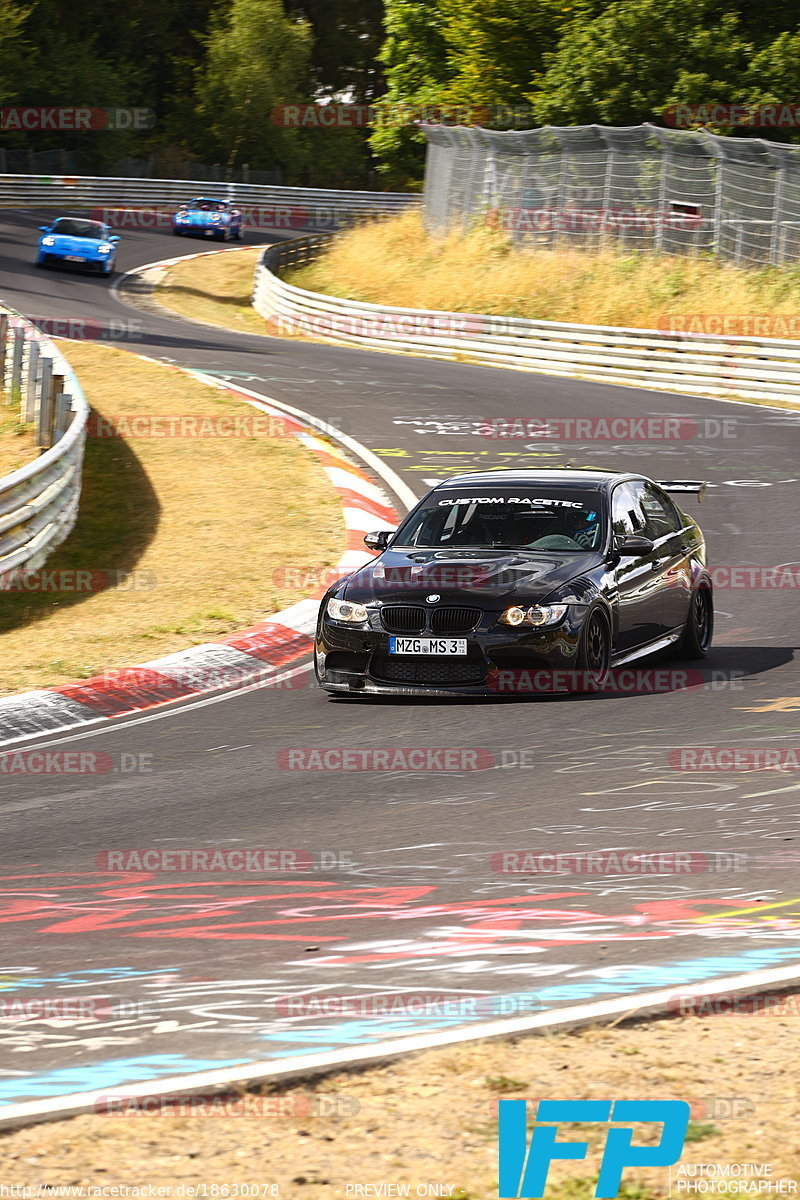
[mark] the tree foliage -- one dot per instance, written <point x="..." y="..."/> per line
<point x="257" y="61"/>
<point x="213" y="71"/>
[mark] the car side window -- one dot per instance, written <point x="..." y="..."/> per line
<point x="627" y="517"/>
<point x="661" y="516"/>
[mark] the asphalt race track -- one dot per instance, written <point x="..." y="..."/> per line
<point x="405" y="895"/>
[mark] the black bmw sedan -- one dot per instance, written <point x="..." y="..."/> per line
<point x="516" y="575"/>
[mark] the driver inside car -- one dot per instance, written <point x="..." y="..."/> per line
<point x="557" y="530"/>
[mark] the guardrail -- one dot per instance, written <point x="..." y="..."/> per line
<point x="701" y="364"/>
<point x="39" y="502"/>
<point x="81" y="192"/>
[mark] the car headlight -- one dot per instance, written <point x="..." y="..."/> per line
<point x="538" y="615"/>
<point x="343" y="610"/>
<point x="48" y="241"/>
<point x="105" y="249"/>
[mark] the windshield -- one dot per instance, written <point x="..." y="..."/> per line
<point x="74" y="227"/>
<point x="208" y="205"/>
<point x="506" y="518"/>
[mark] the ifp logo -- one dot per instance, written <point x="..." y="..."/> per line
<point x="523" y="1169"/>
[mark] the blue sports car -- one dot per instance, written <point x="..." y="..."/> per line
<point x="209" y="218"/>
<point x="79" y="242"/>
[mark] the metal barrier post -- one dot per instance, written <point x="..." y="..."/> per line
<point x="3" y="336"/>
<point x="47" y="411"/>
<point x="15" y="382"/>
<point x="32" y="382"/>
<point x="63" y="415"/>
<point x="42" y="385"/>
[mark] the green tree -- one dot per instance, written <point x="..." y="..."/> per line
<point x="258" y="60"/>
<point x="417" y="71"/>
<point x="12" y="19"/>
<point x="462" y="54"/>
<point x="347" y="39"/>
<point x="495" y="46"/>
<point x="638" y="56"/>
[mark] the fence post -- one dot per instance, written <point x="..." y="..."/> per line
<point x="607" y="186"/>
<point x="32" y="382"/>
<point x="3" y="336"/>
<point x="63" y="415"/>
<point x="43" y="415"/>
<point x="661" y="203"/>
<point x="15" y="382"/>
<point x="775" y="240"/>
<point x="737" y="254"/>
<point x="718" y="205"/>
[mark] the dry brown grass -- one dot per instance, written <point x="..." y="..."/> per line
<point x="17" y="441"/>
<point x="430" y="1119"/>
<point x="216" y="289"/>
<point x="481" y="273"/>
<point x="202" y="522"/>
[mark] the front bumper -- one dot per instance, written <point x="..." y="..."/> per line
<point x="203" y="228"/>
<point x="500" y="660"/>
<point x="97" y="262"/>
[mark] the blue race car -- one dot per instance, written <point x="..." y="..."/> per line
<point x="76" y="241"/>
<point x="208" y="218"/>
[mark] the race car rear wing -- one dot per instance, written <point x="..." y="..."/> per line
<point x="694" y="486"/>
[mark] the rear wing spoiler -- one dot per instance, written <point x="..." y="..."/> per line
<point x="693" y="486"/>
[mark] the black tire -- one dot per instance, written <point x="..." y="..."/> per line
<point x="699" y="628"/>
<point x="594" y="650"/>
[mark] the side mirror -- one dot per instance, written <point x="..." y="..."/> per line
<point x="634" y="546"/>
<point x="113" y="238"/>
<point x="379" y="540"/>
<point x="44" y="228"/>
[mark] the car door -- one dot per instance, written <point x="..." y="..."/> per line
<point x="638" y="580"/>
<point x="664" y="525"/>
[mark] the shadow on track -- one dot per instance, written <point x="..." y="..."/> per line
<point x="118" y="518"/>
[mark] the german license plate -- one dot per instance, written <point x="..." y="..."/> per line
<point x="74" y="258"/>
<point x="411" y="645"/>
